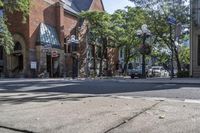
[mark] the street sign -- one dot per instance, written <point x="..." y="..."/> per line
<point x="33" y="65"/>
<point x="54" y="54"/>
<point x="178" y="29"/>
<point x="171" y="20"/>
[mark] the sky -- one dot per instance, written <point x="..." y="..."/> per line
<point x="110" y="7"/>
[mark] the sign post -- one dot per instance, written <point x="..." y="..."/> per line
<point x="171" y="21"/>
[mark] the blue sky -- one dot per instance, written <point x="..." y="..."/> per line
<point x="112" y="5"/>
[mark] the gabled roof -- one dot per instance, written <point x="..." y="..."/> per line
<point x="77" y="6"/>
<point x="83" y="5"/>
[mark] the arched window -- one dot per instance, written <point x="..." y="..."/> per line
<point x="17" y="47"/>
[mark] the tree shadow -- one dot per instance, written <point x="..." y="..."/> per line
<point x="62" y="90"/>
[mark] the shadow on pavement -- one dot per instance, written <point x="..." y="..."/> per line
<point x="44" y="91"/>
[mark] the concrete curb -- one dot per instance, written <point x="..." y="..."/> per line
<point x="117" y="79"/>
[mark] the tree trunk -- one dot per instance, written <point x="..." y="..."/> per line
<point x="177" y="59"/>
<point x="127" y="53"/>
<point x="103" y="50"/>
<point x="94" y="60"/>
<point x="101" y="62"/>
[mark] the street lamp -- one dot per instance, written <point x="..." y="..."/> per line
<point x="143" y="33"/>
<point x="74" y="49"/>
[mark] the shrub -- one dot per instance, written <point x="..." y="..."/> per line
<point x="183" y="74"/>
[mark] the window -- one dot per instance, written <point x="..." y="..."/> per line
<point x="1" y="12"/>
<point x="130" y="66"/>
<point x="65" y="43"/>
<point x="99" y="52"/>
<point x="69" y="48"/>
<point x="91" y="51"/>
<point x="1" y="16"/>
<point x="17" y="47"/>
<point x="121" y="52"/>
<point x="198" y="52"/>
<point x="74" y="47"/>
<point x="1" y="52"/>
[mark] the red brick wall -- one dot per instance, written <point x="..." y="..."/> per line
<point x="40" y="11"/>
<point x="70" y="23"/>
<point x="15" y="25"/>
<point x="97" y="5"/>
<point x="60" y="23"/>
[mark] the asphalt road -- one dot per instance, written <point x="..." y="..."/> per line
<point x="102" y="87"/>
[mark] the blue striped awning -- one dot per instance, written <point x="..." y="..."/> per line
<point x="48" y="36"/>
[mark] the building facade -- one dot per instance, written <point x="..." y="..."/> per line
<point x="195" y="39"/>
<point x="52" y="42"/>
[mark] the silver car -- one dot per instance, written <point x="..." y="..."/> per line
<point x="158" y="71"/>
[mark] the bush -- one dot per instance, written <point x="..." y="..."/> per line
<point x="183" y="74"/>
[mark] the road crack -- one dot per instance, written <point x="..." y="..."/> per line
<point x="15" y="129"/>
<point x="132" y="117"/>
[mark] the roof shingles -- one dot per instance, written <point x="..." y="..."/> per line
<point x="77" y="6"/>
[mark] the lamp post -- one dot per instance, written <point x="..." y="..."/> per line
<point x="65" y="54"/>
<point x="74" y="49"/>
<point x="143" y="33"/>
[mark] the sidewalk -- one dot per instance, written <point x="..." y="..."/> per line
<point x="63" y="113"/>
<point x="160" y="80"/>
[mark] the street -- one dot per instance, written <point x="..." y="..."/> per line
<point x="103" y="87"/>
<point x="98" y="106"/>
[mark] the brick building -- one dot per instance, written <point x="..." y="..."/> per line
<point x="52" y="41"/>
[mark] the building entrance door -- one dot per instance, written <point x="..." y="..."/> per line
<point x="17" y="59"/>
<point x="75" y="68"/>
<point x="49" y="65"/>
<point x="1" y="60"/>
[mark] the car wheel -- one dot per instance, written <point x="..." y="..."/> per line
<point x="132" y="76"/>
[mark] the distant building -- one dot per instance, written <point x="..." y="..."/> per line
<point x="42" y="44"/>
<point x="195" y="39"/>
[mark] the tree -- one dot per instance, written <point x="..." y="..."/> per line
<point x="8" y="6"/>
<point x="159" y="10"/>
<point x="184" y="56"/>
<point x="125" y="23"/>
<point x="100" y="32"/>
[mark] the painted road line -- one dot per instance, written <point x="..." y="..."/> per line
<point x="191" y="101"/>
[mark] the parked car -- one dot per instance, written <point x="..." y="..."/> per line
<point x="157" y="71"/>
<point x="137" y="72"/>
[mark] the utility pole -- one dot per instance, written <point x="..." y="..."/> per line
<point x="172" y="53"/>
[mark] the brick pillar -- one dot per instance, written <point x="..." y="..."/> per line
<point x="60" y="22"/>
<point x="60" y="31"/>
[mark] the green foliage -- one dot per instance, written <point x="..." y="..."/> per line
<point x="159" y="10"/>
<point x="100" y="31"/>
<point x="125" y="23"/>
<point x="183" y="74"/>
<point x="18" y="5"/>
<point x="162" y="57"/>
<point x="184" y="55"/>
<point x="99" y="25"/>
<point x="6" y="39"/>
<point x="22" y="6"/>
